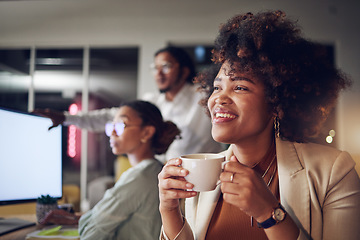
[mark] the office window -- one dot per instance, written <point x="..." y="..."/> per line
<point x="14" y="78"/>
<point x="59" y="83"/>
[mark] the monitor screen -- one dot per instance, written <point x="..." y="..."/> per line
<point x="30" y="157"/>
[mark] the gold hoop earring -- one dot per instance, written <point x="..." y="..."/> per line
<point x="277" y="126"/>
<point x="143" y="140"/>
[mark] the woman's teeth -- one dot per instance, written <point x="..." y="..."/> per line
<point x="224" y="115"/>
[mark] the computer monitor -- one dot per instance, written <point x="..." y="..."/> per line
<point x="30" y="157"/>
<point x="30" y="162"/>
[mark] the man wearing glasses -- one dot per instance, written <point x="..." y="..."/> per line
<point x="177" y="99"/>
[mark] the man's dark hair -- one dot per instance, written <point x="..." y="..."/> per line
<point x="183" y="58"/>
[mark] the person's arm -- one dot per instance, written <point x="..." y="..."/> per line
<point x="243" y="188"/>
<point x="172" y="221"/>
<point x="61" y="217"/>
<point x="56" y="117"/>
<point x="113" y="209"/>
<point x="341" y="209"/>
<point x="94" y="120"/>
<point x="285" y="230"/>
<point x="120" y="204"/>
<point x="172" y="187"/>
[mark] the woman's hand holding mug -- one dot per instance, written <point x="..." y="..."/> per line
<point x="172" y="184"/>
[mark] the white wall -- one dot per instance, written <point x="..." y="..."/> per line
<point x="151" y="24"/>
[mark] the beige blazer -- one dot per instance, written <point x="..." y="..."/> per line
<point x="319" y="189"/>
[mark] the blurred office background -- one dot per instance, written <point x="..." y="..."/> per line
<point x="89" y="54"/>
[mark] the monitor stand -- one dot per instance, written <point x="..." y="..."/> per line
<point x="12" y="224"/>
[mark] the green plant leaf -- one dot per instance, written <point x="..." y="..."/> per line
<point x="51" y="231"/>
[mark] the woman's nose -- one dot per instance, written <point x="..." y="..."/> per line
<point x="222" y="99"/>
<point x="113" y="132"/>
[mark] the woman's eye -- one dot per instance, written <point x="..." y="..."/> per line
<point x="240" y="88"/>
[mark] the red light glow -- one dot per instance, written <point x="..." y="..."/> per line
<point x="73" y="109"/>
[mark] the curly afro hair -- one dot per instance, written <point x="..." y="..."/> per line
<point x="301" y="83"/>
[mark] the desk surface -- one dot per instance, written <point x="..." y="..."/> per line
<point x="21" y="233"/>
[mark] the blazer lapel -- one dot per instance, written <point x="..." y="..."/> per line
<point x="293" y="185"/>
<point x="208" y="202"/>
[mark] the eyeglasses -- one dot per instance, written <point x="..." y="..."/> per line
<point x="119" y="128"/>
<point x="164" y="68"/>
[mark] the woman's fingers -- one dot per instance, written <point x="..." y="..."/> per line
<point x="172" y="169"/>
<point x="172" y="176"/>
<point x="228" y="177"/>
<point x="243" y="187"/>
<point x="176" y="194"/>
<point x="172" y="184"/>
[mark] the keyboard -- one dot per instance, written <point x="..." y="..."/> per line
<point x="12" y="224"/>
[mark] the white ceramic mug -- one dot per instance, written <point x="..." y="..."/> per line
<point x="204" y="170"/>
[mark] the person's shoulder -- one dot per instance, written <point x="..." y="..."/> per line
<point x="143" y="175"/>
<point x="151" y="166"/>
<point x="150" y="96"/>
<point x="316" y="147"/>
<point x="146" y="173"/>
<point x="322" y="156"/>
<point x="146" y="169"/>
<point x="192" y="92"/>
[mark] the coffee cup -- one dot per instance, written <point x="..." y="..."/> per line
<point x="204" y="170"/>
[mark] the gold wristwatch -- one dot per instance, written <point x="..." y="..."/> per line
<point x="278" y="215"/>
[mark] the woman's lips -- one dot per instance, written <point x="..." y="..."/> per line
<point x="221" y="115"/>
<point x="112" y="143"/>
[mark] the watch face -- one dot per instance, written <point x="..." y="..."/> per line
<point x="279" y="214"/>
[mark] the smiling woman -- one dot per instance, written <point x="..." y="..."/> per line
<point x="272" y="91"/>
<point x="246" y="111"/>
